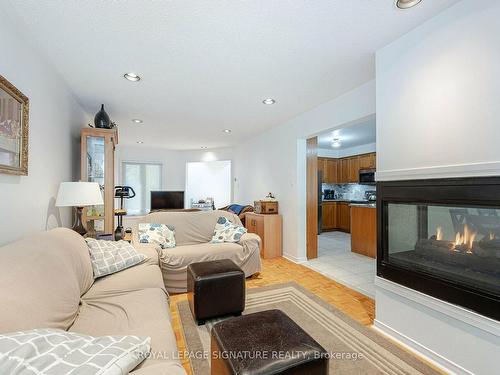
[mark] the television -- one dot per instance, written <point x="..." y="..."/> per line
<point x="162" y="200"/>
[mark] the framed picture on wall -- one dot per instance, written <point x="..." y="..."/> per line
<point x="14" y="124"/>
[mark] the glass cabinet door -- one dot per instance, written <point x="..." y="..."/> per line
<point x="96" y="169"/>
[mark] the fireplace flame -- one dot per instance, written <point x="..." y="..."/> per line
<point x="492" y="236"/>
<point x="466" y="239"/>
<point x="439" y="233"/>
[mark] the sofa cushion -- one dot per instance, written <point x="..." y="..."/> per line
<point x="190" y="227"/>
<point x="112" y="256"/>
<point x="142" y="313"/>
<point x="158" y="234"/>
<point x="42" y="278"/>
<point x="54" y="351"/>
<point x="142" y="276"/>
<point x="226" y="231"/>
<point x="149" y="250"/>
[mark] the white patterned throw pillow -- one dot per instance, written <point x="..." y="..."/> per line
<point x="112" y="256"/>
<point x="225" y="231"/>
<point x="160" y="234"/>
<point x="54" y="351"/>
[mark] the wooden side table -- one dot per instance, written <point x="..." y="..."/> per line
<point x="269" y="229"/>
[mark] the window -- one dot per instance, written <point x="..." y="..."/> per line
<point x="143" y="178"/>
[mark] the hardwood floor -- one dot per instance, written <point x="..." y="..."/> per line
<point x="280" y="270"/>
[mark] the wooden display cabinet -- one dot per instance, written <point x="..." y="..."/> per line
<point x="98" y="165"/>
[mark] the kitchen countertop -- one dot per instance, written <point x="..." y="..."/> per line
<point x="366" y="205"/>
<point x="352" y="202"/>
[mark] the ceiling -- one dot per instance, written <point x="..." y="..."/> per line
<point x="355" y="135"/>
<point x="207" y="65"/>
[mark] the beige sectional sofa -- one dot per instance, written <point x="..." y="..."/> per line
<point x="193" y="232"/>
<point x="46" y="281"/>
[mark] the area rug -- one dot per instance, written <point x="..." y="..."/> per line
<point x="353" y="348"/>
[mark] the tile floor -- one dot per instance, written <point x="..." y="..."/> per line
<point x="336" y="261"/>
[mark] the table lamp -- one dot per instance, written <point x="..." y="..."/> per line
<point x="79" y="195"/>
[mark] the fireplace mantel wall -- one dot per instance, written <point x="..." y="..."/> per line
<point x="438" y="95"/>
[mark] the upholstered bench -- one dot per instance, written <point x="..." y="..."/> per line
<point x="267" y="342"/>
<point x="215" y="288"/>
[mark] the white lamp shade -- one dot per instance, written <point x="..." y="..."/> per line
<point x="79" y="194"/>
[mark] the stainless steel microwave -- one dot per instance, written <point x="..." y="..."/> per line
<point x="367" y="176"/>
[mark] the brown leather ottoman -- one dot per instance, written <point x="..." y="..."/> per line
<point x="215" y="288"/>
<point x="267" y="342"/>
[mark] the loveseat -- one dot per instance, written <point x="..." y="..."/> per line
<point x="193" y="232"/>
<point x="46" y="281"/>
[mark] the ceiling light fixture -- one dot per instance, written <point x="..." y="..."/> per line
<point x="407" y="4"/>
<point x="336" y="143"/>
<point x="227" y="131"/>
<point x="132" y="77"/>
<point x="139" y="142"/>
<point x="269" y="101"/>
<point x="203" y="147"/>
<point x="137" y="121"/>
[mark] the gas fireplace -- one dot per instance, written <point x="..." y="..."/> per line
<point x="442" y="237"/>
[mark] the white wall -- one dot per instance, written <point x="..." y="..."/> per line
<point x="209" y="179"/>
<point x="174" y="162"/>
<point x="275" y="161"/>
<point x="438" y="95"/>
<point x="27" y="202"/>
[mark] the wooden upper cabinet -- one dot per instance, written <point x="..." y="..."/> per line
<point x="343" y="174"/>
<point x="328" y="167"/>
<point x="345" y="170"/>
<point x="331" y="170"/>
<point x="321" y="168"/>
<point x="353" y="172"/>
<point x="367" y="161"/>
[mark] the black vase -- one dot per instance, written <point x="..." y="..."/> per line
<point x="101" y="119"/>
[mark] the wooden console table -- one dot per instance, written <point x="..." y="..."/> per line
<point x="269" y="229"/>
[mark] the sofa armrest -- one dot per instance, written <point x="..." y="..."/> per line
<point x="250" y="242"/>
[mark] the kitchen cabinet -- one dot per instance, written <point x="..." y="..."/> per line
<point x="367" y="161"/>
<point x="328" y="167"/>
<point x="364" y="230"/>
<point x="343" y="171"/>
<point x="321" y="167"/>
<point x="269" y="228"/>
<point x="344" y="217"/>
<point x="347" y="169"/>
<point x="329" y="215"/>
<point x="353" y="169"/>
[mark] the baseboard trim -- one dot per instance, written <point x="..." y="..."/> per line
<point x="294" y="259"/>
<point x="445" y="171"/>
<point x="431" y="356"/>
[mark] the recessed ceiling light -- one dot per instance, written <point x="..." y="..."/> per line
<point x="137" y="121"/>
<point x="140" y="142"/>
<point x="336" y="143"/>
<point x="269" y="101"/>
<point x="227" y="131"/>
<point x="132" y="77"/>
<point x="406" y="4"/>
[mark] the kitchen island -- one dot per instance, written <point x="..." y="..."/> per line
<point x="364" y="229"/>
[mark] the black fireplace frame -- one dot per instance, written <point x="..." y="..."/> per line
<point x="471" y="191"/>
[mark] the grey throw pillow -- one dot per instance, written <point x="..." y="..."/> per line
<point x="54" y="351"/>
<point x="112" y="256"/>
